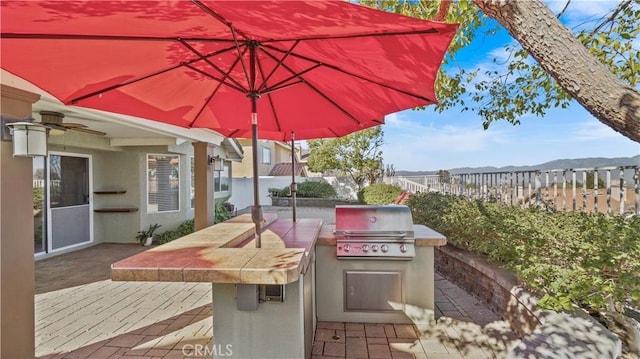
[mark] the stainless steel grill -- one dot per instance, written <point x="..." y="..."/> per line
<point x="375" y="232"/>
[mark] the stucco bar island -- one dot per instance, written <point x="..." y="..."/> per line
<point x="264" y="299"/>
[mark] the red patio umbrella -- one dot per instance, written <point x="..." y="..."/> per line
<point x="313" y="68"/>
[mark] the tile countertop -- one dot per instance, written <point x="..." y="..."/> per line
<point x="225" y="253"/>
<point x="425" y="236"/>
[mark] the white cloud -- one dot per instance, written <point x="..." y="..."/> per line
<point x="592" y="129"/>
<point x="413" y="141"/>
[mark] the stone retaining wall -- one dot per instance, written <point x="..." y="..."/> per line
<point x="495" y="287"/>
<point x="544" y="334"/>
<point x="309" y="202"/>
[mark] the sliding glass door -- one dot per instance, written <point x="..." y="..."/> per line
<point x="69" y="200"/>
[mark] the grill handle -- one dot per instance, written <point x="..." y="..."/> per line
<point x="400" y="234"/>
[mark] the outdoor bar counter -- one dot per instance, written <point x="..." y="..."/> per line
<point x="264" y="299"/>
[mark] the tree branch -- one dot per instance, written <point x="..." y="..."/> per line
<point x="563" y="56"/>
<point x="615" y="13"/>
<point x="442" y="12"/>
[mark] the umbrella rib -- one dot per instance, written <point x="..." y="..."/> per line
<point x="233" y="30"/>
<point x="206" y="59"/>
<point x="218" y="17"/>
<point x="214" y="92"/>
<point x="106" y="37"/>
<point x="264" y="83"/>
<point x="220" y="80"/>
<point x="273" y="108"/>
<point x="336" y="68"/>
<point x="277" y="88"/>
<point x="240" y="56"/>
<point x="355" y="36"/>
<point x="331" y="101"/>
<point x="107" y="89"/>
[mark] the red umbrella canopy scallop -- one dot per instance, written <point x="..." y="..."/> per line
<point x="313" y="68"/>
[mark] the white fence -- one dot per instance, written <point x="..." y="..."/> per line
<point x="600" y="190"/>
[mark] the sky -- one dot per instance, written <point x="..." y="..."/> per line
<point x="427" y="140"/>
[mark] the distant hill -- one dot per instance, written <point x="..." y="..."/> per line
<point x="551" y="165"/>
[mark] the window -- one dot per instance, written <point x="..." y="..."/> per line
<point x="266" y="155"/>
<point x="222" y="178"/>
<point x="69" y="185"/>
<point x="163" y="183"/>
<point x="193" y="181"/>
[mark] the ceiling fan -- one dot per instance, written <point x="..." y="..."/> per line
<point x="53" y="120"/>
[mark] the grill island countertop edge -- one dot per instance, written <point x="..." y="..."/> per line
<point x="224" y="253"/>
<point x="210" y="255"/>
<point x="424" y="236"/>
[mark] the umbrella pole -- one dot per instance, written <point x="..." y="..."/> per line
<point x="293" y="174"/>
<point x="256" y="211"/>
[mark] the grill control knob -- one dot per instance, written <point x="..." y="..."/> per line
<point x="384" y="248"/>
<point x="403" y="248"/>
<point x="365" y="248"/>
<point x="346" y="247"/>
<point x="374" y="247"/>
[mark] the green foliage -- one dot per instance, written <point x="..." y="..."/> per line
<point x="379" y="193"/>
<point x="307" y="189"/>
<point x="569" y="258"/>
<point x="517" y="85"/>
<point x="142" y="235"/>
<point x="284" y="192"/>
<point x="357" y="155"/>
<point x="279" y="192"/>
<point x="38" y="197"/>
<point x="187" y="226"/>
<point x="222" y="213"/>
<point x="315" y="189"/>
<point x="183" y="229"/>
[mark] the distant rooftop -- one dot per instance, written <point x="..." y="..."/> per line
<point x="284" y="169"/>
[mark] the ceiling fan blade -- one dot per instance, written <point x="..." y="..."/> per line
<point x="73" y="125"/>
<point x="53" y="126"/>
<point x="87" y="130"/>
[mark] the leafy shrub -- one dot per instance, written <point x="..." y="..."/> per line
<point x="285" y="192"/>
<point x="308" y="189"/>
<point x="38" y="196"/>
<point x="183" y="229"/>
<point x="187" y="226"/>
<point x="314" y="189"/>
<point x="222" y="213"/>
<point x="569" y="258"/>
<point x="279" y="192"/>
<point x="379" y="193"/>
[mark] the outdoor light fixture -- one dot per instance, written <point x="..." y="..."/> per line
<point x="29" y="139"/>
<point x="216" y="162"/>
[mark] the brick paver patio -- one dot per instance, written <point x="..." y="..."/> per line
<point x="81" y="313"/>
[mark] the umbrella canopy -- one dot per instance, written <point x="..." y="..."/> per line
<point x="310" y="68"/>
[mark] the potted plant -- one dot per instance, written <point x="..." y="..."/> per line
<point x="146" y="237"/>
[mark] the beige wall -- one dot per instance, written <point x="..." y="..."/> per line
<point x="282" y="153"/>
<point x="17" y="286"/>
<point x="204" y="202"/>
<point x="279" y="154"/>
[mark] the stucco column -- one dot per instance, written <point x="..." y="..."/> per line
<point x="17" y="280"/>
<point x="204" y="207"/>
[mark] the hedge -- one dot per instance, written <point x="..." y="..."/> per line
<point x="379" y="193"/>
<point x="569" y="258"/>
